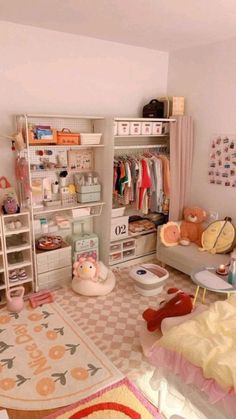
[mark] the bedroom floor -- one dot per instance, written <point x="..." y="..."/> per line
<point x="113" y="323"/>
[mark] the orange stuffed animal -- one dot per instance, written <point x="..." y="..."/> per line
<point x="178" y="303"/>
<point x="191" y="227"/>
<point x="189" y="230"/>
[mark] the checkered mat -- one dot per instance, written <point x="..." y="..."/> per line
<point x="113" y="321"/>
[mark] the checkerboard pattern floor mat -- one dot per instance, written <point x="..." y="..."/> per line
<point x="113" y="321"/>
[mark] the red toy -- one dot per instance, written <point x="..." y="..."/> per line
<point x="177" y="304"/>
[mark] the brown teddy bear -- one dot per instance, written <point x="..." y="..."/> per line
<point x="191" y="228"/>
<point x="186" y="231"/>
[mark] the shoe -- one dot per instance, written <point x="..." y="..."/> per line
<point x="11" y="225"/>
<point x="13" y="277"/>
<point x="22" y="274"/>
<point x="18" y="224"/>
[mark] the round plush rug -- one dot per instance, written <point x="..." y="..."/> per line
<point x="47" y="361"/>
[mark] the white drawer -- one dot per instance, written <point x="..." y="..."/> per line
<point x="58" y="277"/>
<point x="54" y="259"/>
<point x="145" y="244"/>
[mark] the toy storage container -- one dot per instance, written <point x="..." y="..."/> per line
<point x="66" y="137"/>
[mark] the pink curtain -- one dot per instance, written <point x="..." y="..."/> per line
<point x="181" y="155"/>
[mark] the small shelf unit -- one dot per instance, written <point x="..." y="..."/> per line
<point x="16" y="252"/>
<point x="72" y="211"/>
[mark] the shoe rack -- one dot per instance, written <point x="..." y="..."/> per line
<point x="16" y="263"/>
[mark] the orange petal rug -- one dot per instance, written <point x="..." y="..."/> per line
<point x="47" y="361"/>
<point x="119" y="401"/>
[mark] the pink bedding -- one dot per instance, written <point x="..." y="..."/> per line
<point x="191" y="374"/>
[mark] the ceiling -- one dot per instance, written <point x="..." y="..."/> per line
<point x="158" y="24"/>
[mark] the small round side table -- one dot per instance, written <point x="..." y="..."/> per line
<point x="217" y="287"/>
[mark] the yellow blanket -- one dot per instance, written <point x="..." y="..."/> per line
<point x="208" y="341"/>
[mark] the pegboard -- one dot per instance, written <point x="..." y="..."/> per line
<point x="84" y="157"/>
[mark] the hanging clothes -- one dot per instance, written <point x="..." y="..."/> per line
<point x="141" y="181"/>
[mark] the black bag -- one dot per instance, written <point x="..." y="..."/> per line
<point x="153" y="109"/>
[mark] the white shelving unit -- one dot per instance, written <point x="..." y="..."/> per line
<point x="16" y="252"/>
<point x="94" y="210"/>
<point x="121" y="143"/>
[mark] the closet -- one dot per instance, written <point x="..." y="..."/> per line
<point x="137" y="193"/>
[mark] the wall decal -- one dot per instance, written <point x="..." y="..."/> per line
<point x="222" y="160"/>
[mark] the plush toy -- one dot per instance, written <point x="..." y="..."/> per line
<point x="92" y="278"/>
<point x="177" y="303"/>
<point x="219" y="237"/>
<point x="86" y="268"/>
<point x="191" y="227"/>
<point x="188" y="230"/>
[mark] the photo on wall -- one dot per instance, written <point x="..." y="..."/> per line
<point x="222" y="160"/>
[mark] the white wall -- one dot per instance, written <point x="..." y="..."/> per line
<point x="51" y="72"/>
<point x="206" y="76"/>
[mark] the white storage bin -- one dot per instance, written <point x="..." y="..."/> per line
<point x="117" y="212"/>
<point x="115" y="128"/>
<point x="53" y="259"/>
<point x="115" y="247"/>
<point x="123" y="128"/>
<point x="115" y="258"/>
<point x="128" y="254"/>
<point x="146" y="128"/>
<point x="119" y="228"/>
<point x="156" y="128"/>
<point x="90" y="138"/>
<point x="135" y="128"/>
<point x="56" y="278"/>
<point x="145" y="244"/>
<point x="88" y="197"/>
<point x="129" y="244"/>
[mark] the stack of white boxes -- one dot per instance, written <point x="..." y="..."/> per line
<point x="54" y="267"/>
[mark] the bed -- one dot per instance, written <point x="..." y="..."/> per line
<point x="198" y="357"/>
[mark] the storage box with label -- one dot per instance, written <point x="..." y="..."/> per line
<point x="146" y="128"/>
<point x="156" y="128"/>
<point x="123" y="128"/>
<point x="119" y="228"/>
<point x="135" y="128"/>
